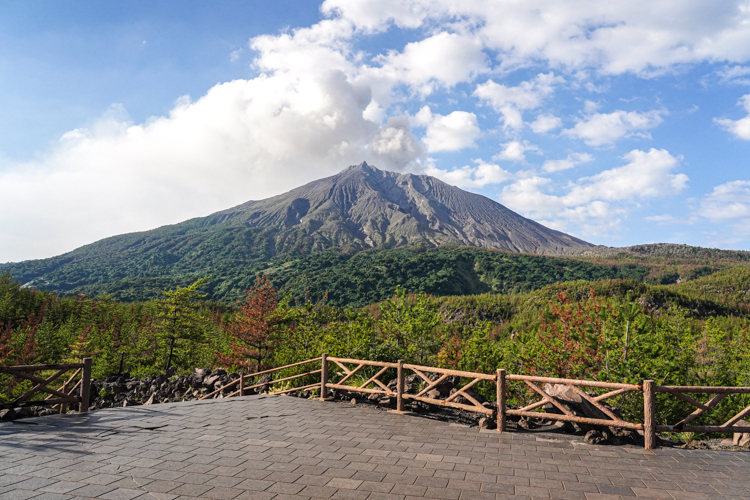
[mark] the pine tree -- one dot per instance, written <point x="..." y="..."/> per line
<point x="256" y="329"/>
<point x="179" y="318"/>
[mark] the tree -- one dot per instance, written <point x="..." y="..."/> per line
<point x="179" y="318"/>
<point x="411" y="320"/>
<point x="256" y="329"/>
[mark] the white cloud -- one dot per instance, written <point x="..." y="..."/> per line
<point x="246" y="139"/>
<point x="468" y="176"/>
<point x="571" y="161"/>
<point x="730" y="200"/>
<point x="739" y="128"/>
<point x="646" y="175"/>
<point x="444" y="60"/>
<point x="452" y="132"/>
<point x="737" y="75"/>
<point x="545" y="122"/>
<point x="662" y="219"/>
<point x="605" y="128"/>
<point x="638" y="36"/>
<point x="511" y="101"/>
<point x="396" y="142"/>
<point x="599" y="199"/>
<point x="515" y="151"/>
<point x="318" y="104"/>
<point x="590" y="107"/>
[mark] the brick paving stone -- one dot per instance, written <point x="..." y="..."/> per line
<point x="567" y="495"/>
<point x="254" y="484"/>
<point x="385" y="496"/>
<point x="343" y="483"/>
<point x="193" y="490"/>
<point x="477" y="495"/>
<point x="34" y="483"/>
<point x="53" y="496"/>
<point x="286" y="488"/>
<point x="532" y="491"/>
<point x="318" y="492"/>
<point x="122" y="494"/>
<point x="623" y="491"/>
<point x="91" y="490"/>
<point x="443" y="493"/>
<point x="350" y="495"/>
<point x="376" y="486"/>
<point x="221" y="493"/>
<point x="323" y="450"/>
<point x="9" y="479"/>
<point x="61" y="487"/>
<point x="409" y="490"/>
<point x="18" y="494"/>
<point x="160" y="486"/>
<point x="507" y="489"/>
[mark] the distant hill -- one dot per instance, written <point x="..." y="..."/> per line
<point x="360" y="208"/>
<point x="669" y="250"/>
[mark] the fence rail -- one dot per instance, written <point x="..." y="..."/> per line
<point x="719" y="393"/>
<point x="346" y="370"/>
<point x="432" y="378"/>
<point x="611" y="420"/>
<point x="64" y="394"/>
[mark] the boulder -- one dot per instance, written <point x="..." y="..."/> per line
<point x="574" y="403"/>
<point x="741" y="438"/>
<point x="596" y="437"/>
<point x="445" y="387"/>
<point x="487" y="423"/>
<point x="25" y="412"/>
<point x="8" y="415"/>
<point x="434" y="394"/>
<point x="464" y="401"/>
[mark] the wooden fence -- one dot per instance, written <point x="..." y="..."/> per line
<point x="81" y="378"/>
<point x="433" y="377"/>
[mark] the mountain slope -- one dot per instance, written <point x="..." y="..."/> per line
<point x="364" y="207"/>
<point x="359" y="208"/>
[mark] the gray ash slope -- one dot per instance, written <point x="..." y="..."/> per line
<point x="358" y="209"/>
<point x="363" y="207"/>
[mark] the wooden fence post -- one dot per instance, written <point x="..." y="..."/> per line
<point x="400" y="386"/>
<point x="64" y="390"/>
<point x="649" y="419"/>
<point x="242" y="383"/>
<point x="324" y="377"/>
<point x="85" y="386"/>
<point x="501" y="400"/>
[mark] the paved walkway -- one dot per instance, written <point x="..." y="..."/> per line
<point x="284" y="448"/>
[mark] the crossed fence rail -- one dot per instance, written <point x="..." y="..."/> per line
<point x="462" y="398"/>
<point x="432" y="377"/>
<point x="81" y="379"/>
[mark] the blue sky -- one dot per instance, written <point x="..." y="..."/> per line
<point x="620" y="124"/>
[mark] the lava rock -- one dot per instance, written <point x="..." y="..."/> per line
<point x="597" y="437"/>
<point x="487" y="423"/>
<point x="8" y="415"/>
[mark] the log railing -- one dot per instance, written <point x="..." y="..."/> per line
<point x="609" y="419"/>
<point x="717" y="394"/>
<point x="450" y="401"/>
<point x="349" y="371"/>
<point x="240" y="386"/>
<point x="63" y="396"/>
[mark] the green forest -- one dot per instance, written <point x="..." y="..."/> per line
<point x="135" y="270"/>
<point x="527" y="314"/>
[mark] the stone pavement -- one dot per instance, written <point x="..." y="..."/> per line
<point x="284" y="448"/>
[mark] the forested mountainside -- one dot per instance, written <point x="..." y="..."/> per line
<point x="360" y="208"/>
